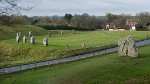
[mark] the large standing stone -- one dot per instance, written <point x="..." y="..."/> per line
<point x="24" y="39"/>
<point x="32" y="40"/>
<point x="17" y="37"/>
<point x="126" y="47"/>
<point x="45" y="41"/>
<point x="30" y="34"/>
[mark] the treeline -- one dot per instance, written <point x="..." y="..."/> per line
<point x="84" y="21"/>
<point x="14" y="20"/>
<point x="64" y="27"/>
<point x="141" y="20"/>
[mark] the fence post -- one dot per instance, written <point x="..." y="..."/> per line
<point x="93" y="53"/>
<point x="48" y="62"/>
<point x="79" y="56"/>
<point x="3" y="70"/>
<point x="71" y="59"/>
<point x="20" y="67"/>
<point x="35" y="65"/>
<point x="99" y="52"/>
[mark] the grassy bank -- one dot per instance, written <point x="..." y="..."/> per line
<point x="7" y="32"/>
<point x="68" y="44"/>
<point x="104" y="69"/>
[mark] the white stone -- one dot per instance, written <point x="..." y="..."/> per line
<point x="24" y="39"/>
<point x="30" y="34"/>
<point x="32" y="40"/>
<point x="61" y="32"/>
<point x="17" y="38"/>
<point x="45" y="41"/>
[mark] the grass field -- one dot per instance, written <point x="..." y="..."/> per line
<point x="10" y="32"/>
<point x="109" y="68"/>
<point x="13" y="53"/>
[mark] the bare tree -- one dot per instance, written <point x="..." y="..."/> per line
<point x="10" y="6"/>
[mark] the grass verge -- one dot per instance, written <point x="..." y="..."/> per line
<point x="109" y="68"/>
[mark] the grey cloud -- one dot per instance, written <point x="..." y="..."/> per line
<point x="93" y="7"/>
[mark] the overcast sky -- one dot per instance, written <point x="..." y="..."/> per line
<point x="92" y="7"/>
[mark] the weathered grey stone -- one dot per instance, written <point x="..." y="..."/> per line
<point x="30" y="34"/>
<point x="24" y="39"/>
<point x="126" y="47"/>
<point x="17" y="37"/>
<point x="61" y="32"/>
<point x="45" y="41"/>
<point x="19" y="34"/>
<point x="32" y="40"/>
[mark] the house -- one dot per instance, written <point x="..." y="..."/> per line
<point x="111" y="26"/>
<point x="131" y="23"/>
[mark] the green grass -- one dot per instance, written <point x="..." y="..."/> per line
<point x="109" y="68"/>
<point x="10" y="32"/>
<point x="14" y="53"/>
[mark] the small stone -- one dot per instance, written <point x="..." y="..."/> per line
<point x="19" y="34"/>
<point x="45" y="41"/>
<point x="82" y="45"/>
<point x="30" y="34"/>
<point x="17" y="38"/>
<point x="61" y="32"/>
<point x="32" y="40"/>
<point x="24" y="39"/>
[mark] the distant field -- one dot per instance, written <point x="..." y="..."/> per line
<point x="104" y="69"/>
<point x="14" y="53"/>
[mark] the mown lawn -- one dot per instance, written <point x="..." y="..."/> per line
<point x="109" y="68"/>
<point x="14" y="53"/>
<point x="89" y="38"/>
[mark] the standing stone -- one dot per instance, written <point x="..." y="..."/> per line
<point x="73" y="31"/>
<point x="24" y="39"/>
<point x="61" y="32"/>
<point x="49" y="32"/>
<point x="32" y="40"/>
<point x="133" y="52"/>
<point x="30" y="34"/>
<point x="19" y="34"/>
<point x="82" y="45"/>
<point x="17" y="37"/>
<point x="126" y="47"/>
<point x="45" y="41"/>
